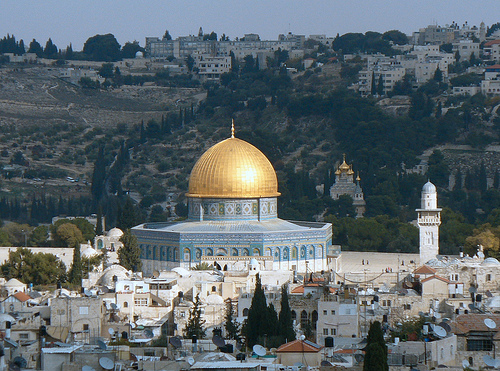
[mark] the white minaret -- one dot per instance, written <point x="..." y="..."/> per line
<point x="429" y="219"/>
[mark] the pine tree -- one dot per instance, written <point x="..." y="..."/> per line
<point x="130" y="254"/>
<point x="286" y="330"/>
<point x="231" y="325"/>
<point x="376" y="350"/>
<point x="194" y="326"/>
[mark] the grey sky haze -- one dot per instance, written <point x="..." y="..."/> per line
<point x="75" y="21"/>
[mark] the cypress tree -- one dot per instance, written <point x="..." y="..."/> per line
<point x="99" y="228"/>
<point x="257" y="321"/>
<point x="483" y="180"/>
<point x="75" y="273"/>
<point x="496" y="180"/>
<point x="98" y="177"/>
<point x="376" y="350"/>
<point x="285" y="321"/>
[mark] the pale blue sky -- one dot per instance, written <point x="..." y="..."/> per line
<point x="74" y="21"/>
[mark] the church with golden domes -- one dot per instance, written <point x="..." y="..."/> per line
<point x="233" y="220"/>
<point x="344" y="185"/>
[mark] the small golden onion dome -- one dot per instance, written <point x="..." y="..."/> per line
<point x="338" y="172"/>
<point x="233" y="168"/>
<point x="343" y="166"/>
<point x="350" y="171"/>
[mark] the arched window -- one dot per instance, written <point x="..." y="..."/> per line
<point x="234" y="252"/>
<point x="256" y="252"/>
<point x="294" y="253"/>
<point x="314" y="318"/>
<point x="303" y="319"/>
<point x="245" y="312"/>
<point x="246" y="252"/>
<point x="214" y="289"/>
<point x="125" y="304"/>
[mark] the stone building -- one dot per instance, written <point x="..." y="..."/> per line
<point x="232" y="219"/>
<point x="344" y="185"/>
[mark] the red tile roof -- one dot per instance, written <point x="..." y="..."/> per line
<point x="300" y="289"/>
<point x="494" y="67"/>
<point x="299" y="346"/>
<point x="424" y="269"/>
<point x="473" y="322"/>
<point x="435" y="277"/>
<point x="21" y="296"/>
<point x="492" y="42"/>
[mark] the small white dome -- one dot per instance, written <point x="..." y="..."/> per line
<point x="214" y="299"/>
<point x="490" y="262"/>
<point x="89" y="252"/>
<point x="115" y="232"/>
<point x="139" y="54"/>
<point x="429" y="188"/>
<point x="13" y="282"/>
<point x="115" y="270"/>
<point x="181" y="271"/>
<point x="254" y="261"/>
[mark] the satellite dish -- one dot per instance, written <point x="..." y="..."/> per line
<point x="148" y="333"/>
<point x="106" y="363"/>
<point x="259" y="350"/>
<point x="156" y="274"/>
<point x="20" y="362"/>
<point x="472" y="290"/>
<point x="465" y="363"/>
<point x="490" y="361"/>
<point x="88" y="368"/>
<point x="218" y="341"/>
<point x="490" y="323"/>
<point x="300" y="278"/>
<point x="133" y="325"/>
<point x="325" y="364"/>
<point x="176" y="342"/>
<point x="302" y="337"/>
<point x="102" y="345"/>
<point x="439" y="331"/>
<point x="298" y="364"/>
<point x="446" y="326"/>
<point x="190" y="360"/>
<point x="111" y="331"/>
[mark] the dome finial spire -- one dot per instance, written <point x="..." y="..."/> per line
<point x="232" y="128"/>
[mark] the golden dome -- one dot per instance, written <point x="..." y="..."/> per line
<point x="343" y="166"/>
<point x="233" y="168"/>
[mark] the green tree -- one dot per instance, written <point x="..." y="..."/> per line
<point x="39" y="268"/>
<point x="438" y="75"/>
<point x="167" y="36"/>
<point x="286" y="330"/>
<point x="98" y="177"/>
<point x="130" y="254"/>
<point x="257" y="321"/>
<point x="194" y="326"/>
<point x="231" y="324"/>
<point x="102" y="48"/>
<point x="106" y="70"/>
<point x="39" y="237"/>
<point x="69" y="235"/>
<point x="50" y="50"/>
<point x="75" y="274"/>
<point x="36" y="48"/>
<point x="376" y="350"/>
<point x="127" y="216"/>
<point x="130" y="49"/>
